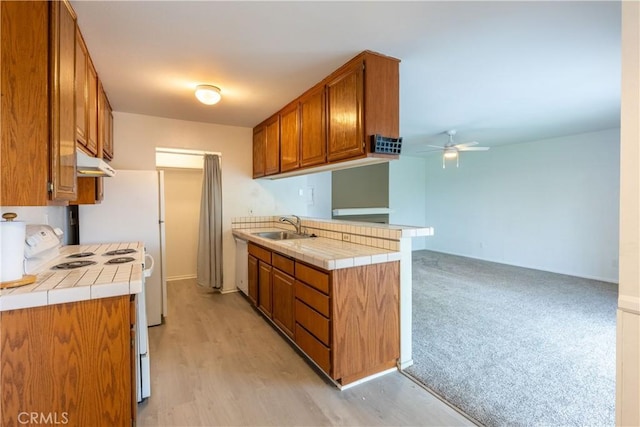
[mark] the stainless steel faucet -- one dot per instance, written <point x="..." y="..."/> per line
<point x="297" y="224"/>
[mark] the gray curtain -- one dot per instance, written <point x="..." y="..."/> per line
<point x="210" y="233"/>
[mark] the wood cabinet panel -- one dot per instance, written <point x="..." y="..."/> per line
<point x="252" y="279"/>
<point x="259" y="144"/>
<point x="272" y="146"/>
<point x="81" y="90"/>
<point x="105" y="123"/>
<point x="365" y="321"/>
<point x="317" y="351"/>
<point x="313" y="322"/>
<point x="68" y="358"/>
<point x="86" y="99"/>
<point x="90" y="191"/>
<point x="260" y="253"/>
<point x="314" y="299"/>
<point x="313" y="277"/>
<point x="344" y="114"/>
<point x="382" y="103"/>
<point x="313" y="137"/>
<point x="283" y="301"/>
<point x="133" y="359"/>
<point x="92" y="109"/>
<point x="24" y="112"/>
<point x="265" y="303"/>
<point x="63" y="126"/>
<point x="283" y="263"/>
<point x="289" y="138"/>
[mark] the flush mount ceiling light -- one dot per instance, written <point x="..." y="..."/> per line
<point x="208" y="94"/>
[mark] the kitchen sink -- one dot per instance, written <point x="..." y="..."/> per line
<point x="281" y="235"/>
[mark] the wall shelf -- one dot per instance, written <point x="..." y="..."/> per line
<point x="361" y="211"/>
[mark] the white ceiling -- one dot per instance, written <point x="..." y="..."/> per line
<point x="498" y="72"/>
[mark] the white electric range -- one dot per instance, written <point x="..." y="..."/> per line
<point x="82" y="272"/>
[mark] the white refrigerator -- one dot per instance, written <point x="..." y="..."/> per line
<point x="133" y="210"/>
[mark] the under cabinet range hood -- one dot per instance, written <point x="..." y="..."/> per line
<point x="92" y="166"/>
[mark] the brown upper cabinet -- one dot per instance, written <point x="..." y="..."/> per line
<point x="337" y="117"/>
<point x="313" y="130"/>
<point x="266" y="147"/>
<point x="105" y="124"/>
<point x="290" y="138"/>
<point x="86" y="99"/>
<point x="259" y="142"/>
<point x="37" y="166"/>
<point x="344" y="112"/>
<point x="48" y="84"/>
<point x="63" y="112"/>
<point x="272" y="146"/>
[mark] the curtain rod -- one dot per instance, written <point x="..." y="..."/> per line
<point x="187" y="152"/>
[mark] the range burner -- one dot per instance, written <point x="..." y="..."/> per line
<point x="73" y="264"/>
<point x="120" y="252"/>
<point x="120" y="260"/>
<point x="81" y="255"/>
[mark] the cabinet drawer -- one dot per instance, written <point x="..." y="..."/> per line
<point x="282" y="263"/>
<point x="313" y="277"/>
<point x="313" y="348"/>
<point x="312" y="321"/>
<point x="260" y="253"/>
<point x="316" y="300"/>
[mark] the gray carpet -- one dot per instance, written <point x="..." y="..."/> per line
<point x="514" y="346"/>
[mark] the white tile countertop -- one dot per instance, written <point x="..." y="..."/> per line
<point x="328" y="254"/>
<point x="91" y="282"/>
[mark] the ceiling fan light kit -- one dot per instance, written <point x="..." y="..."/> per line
<point x="452" y="150"/>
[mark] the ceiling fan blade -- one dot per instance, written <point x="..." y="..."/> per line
<point x="467" y="144"/>
<point x="473" y="148"/>
<point x="436" y="146"/>
<point x="428" y="151"/>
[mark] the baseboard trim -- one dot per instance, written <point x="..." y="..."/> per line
<point x="582" y="276"/>
<point x="184" y="277"/>
<point x="405" y="364"/>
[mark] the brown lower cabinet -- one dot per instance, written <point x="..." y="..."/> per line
<point x="69" y="364"/>
<point x="347" y="321"/>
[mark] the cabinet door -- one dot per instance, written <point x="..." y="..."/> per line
<point x="63" y="114"/>
<point x="264" y="288"/>
<point x="253" y="279"/>
<point x="90" y="191"/>
<point x="258" y="152"/>
<point x="105" y="124"/>
<point x="133" y="360"/>
<point x="92" y="110"/>
<point x="344" y="110"/>
<point x="24" y="144"/>
<point x="313" y="137"/>
<point x="71" y="358"/>
<point x="283" y="301"/>
<point x="272" y="146"/>
<point x="81" y="90"/>
<point x="289" y="139"/>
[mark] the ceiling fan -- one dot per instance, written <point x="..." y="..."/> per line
<point x="451" y="150"/>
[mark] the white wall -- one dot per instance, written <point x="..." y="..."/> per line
<point x="182" y="194"/>
<point x="320" y="185"/>
<point x="550" y="205"/>
<point x="407" y="195"/>
<point x="137" y="136"/>
<point x="54" y="216"/>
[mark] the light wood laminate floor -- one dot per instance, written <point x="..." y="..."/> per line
<point x="216" y="361"/>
